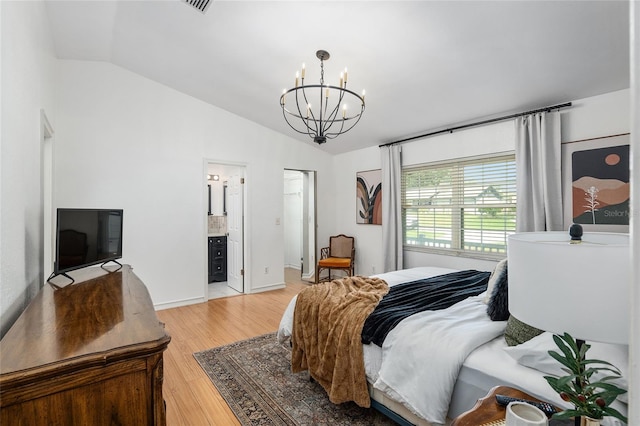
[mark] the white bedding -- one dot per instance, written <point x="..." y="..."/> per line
<point x="422" y="355"/>
<point x="391" y="278"/>
<point x="486" y="366"/>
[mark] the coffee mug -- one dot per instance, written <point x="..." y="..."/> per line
<point x="523" y="414"/>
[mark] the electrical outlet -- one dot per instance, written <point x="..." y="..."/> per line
<point x="266" y="269"/>
<point x="373" y="269"/>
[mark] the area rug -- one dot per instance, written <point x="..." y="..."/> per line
<point x="254" y="377"/>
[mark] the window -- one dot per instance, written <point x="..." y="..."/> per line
<point x="467" y="207"/>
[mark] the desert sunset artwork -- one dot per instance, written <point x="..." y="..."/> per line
<point x="600" y="186"/>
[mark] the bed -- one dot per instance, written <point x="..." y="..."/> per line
<point x="466" y="353"/>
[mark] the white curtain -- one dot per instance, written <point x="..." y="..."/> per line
<point x="391" y="207"/>
<point x="538" y="171"/>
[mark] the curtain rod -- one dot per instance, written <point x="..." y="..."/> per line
<point x="478" y="123"/>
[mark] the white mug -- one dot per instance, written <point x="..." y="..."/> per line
<point x="523" y="414"/>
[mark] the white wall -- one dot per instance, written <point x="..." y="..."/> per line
<point x="597" y="116"/>
<point x="123" y="141"/>
<point x="368" y="238"/>
<point x="27" y="87"/>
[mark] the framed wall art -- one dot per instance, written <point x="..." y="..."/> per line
<point x="369" y="197"/>
<point x="596" y="186"/>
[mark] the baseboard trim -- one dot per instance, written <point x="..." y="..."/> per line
<point x="179" y="303"/>
<point x="268" y="288"/>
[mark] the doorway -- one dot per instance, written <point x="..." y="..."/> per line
<point x="225" y="212"/>
<point x="47" y="214"/>
<point x="300" y="222"/>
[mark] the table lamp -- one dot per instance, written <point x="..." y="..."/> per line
<point x="576" y="284"/>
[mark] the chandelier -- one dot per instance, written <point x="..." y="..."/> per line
<point x="337" y="110"/>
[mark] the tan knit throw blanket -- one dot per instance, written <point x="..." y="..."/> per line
<point x="326" y="337"/>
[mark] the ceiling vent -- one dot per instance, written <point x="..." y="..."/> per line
<point x="201" y="5"/>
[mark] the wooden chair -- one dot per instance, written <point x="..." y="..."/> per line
<point x="339" y="255"/>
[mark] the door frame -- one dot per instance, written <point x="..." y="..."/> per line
<point x="246" y="233"/>
<point x="47" y="212"/>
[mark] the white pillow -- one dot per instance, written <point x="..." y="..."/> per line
<point x="535" y="354"/>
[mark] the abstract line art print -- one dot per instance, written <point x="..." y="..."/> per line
<point x="369" y="197"/>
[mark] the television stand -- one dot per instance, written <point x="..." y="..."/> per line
<point x="64" y="274"/>
<point x="53" y="275"/>
<point x="114" y="261"/>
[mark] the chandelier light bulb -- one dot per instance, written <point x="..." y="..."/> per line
<point x="303" y="70"/>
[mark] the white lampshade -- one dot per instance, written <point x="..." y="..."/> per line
<point x="581" y="289"/>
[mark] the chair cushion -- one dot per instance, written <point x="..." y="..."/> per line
<point x="335" y="262"/>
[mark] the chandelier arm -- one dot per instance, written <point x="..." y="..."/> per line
<point x="311" y="115"/>
<point x="305" y="120"/>
<point x="334" y="113"/>
<point x="331" y="135"/>
<point x="309" y="111"/>
<point x="331" y="118"/>
<point x="284" y="113"/>
<point x="339" y="131"/>
<point x="334" y="135"/>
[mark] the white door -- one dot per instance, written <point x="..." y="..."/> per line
<point x="235" y="212"/>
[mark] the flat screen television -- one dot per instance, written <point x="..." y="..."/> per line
<point x="86" y="237"/>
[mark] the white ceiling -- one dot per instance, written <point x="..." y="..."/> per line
<point x="425" y="65"/>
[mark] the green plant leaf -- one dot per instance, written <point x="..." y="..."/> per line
<point x="572" y="366"/>
<point x="615" y="413"/>
<point x="566" y="414"/>
<point x="577" y="385"/>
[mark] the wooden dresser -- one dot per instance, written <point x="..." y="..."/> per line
<point x="89" y="353"/>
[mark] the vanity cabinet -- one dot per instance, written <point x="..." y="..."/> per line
<point x="217" y="259"/>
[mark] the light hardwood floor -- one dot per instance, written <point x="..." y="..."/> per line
<point x="190" y="396"/>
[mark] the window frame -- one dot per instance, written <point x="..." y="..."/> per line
<point x="456" y="227"/>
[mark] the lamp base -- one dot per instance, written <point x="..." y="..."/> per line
<point x="588" y="421"/>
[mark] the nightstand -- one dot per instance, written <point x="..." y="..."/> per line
<point x="487" y="411"/>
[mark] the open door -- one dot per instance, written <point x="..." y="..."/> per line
<point x="300" y="222"/>
<point x="235" y="212"/>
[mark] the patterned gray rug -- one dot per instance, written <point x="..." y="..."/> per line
<point x="255" y="378"/>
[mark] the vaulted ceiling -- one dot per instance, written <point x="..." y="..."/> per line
<point x="425" y="65"/>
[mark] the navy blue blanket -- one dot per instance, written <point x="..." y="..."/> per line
<point x="407" y="299"/>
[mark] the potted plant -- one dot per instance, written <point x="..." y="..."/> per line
<point x="591" y="396"/>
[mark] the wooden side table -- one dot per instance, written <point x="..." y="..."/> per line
<point x="487" y="410"/>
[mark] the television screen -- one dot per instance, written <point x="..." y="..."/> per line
<point x="87" y="237"/>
